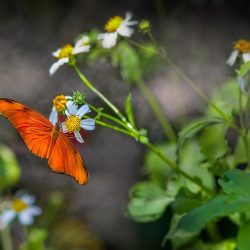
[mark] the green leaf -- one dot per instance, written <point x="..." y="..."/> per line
<point x="35" y="241"/>
<point x="240" y="155"/>
<point x="191" y="160"/>
<point x="236" y="182"/>
<point x="212" y="142"/>
<point x="196" y="126"/>
<point x="9" y="168"/>
<point x="243" y="239"/>
<point x="155" y="167"/>
<point x="230" y="104"/>
<point x="148" y="202"/>
<point x="125" y="57"/>
<point x="236" y="185"/>
<point x="128" y="108"/>
<point x="244" y="69"/>
<point x="224" y="245"/>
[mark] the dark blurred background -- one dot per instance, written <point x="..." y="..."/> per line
<point x="197" y="35"/>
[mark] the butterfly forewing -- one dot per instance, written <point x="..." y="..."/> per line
<point x="45" y="140"/>
<point x="33" y="127"/>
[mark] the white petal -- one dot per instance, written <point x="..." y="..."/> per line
<point x="71" y="108"/>
<point x="231" y="60"/>
<point x="81" y="49"/>
<point x="78" y="137"/>
<point x="34" y="210"/>
<point x="246" y="57"/>
<point x="125" y="30"/>
<point x="83" y="110"/>
<point x="7" y="216"/>
<point x="82" y="41"/>
<point x="25" y="218"/>
<point x="88" y="124"/>
<point x="53" y="117"/>
<point x="29" y="199"/>
<point x="64" y="128"/>
<point x="128" y="16"/>
<point x="108" y="39"/>
<point x="127" y="21"/>
<point x="56" y="53"/>
<point x="54" y="67"/>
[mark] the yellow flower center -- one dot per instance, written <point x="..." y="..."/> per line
<point x="113" y="24"/>
<point x="59" y="102"/>
<point x="65" y="51"/>
<point x="242" y="45"/>
<point x="19" y="205"/>
<point x="73" y="123"/>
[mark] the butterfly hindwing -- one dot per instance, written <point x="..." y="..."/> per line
<point x="71" y="163"/>
<point x="45" y="140"/>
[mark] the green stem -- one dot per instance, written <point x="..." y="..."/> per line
<point x="98" y="93"/>
<point x="134" y="133"/>
<point x="179" y="72"/>
<point x="118" y="129"/>
<point x="6" y="238"/>
<point x="107" y="116"/>
<point x="173" y="166"/>
<point x="213" y="232"/>
<point x="156" y="108"/>
<point x="196" y="89"/>
<point x="244" y="129"/>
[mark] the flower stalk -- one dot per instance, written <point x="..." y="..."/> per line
<point x="131" y="131"/>
<point x="6" y="238"/>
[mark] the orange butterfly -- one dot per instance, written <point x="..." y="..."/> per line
<point x="45" y="140"/>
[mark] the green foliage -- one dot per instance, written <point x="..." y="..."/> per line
<point x="126" y="58"/>
<point x="35" y="241"/>
<point x="128" y="109"/>
<point x="148" y="201"/>
<point x="226" y="97"/>
<point x="9" y="168"/>
<point x="213" y="143"/>
<point x="155" y="167"/>
<point x="195" y="127"/>
<point x="235" y="198"/>
<point x="244" y="69"/>
<point x="243" y="239"/>
<point x="133" y="63"/>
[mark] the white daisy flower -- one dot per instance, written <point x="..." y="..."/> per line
<point x="59" y="106"/>
<point x="21" y="208"/>
<point x="74" y="122"/>
<point x="63" y="54"/>
<point x="241" y="48"/>
<point x="114" y="27"/>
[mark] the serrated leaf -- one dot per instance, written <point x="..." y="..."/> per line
<point x="196" y="126"/>
<point x="148" y="202"/>
<point x="230" y="104"/>
<point x="213" y="143"/>
<point x="128" y="109"/>
<point x="240" y="155"/>
<point x="155" y="167"/>
<point x="236" y="198"/>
